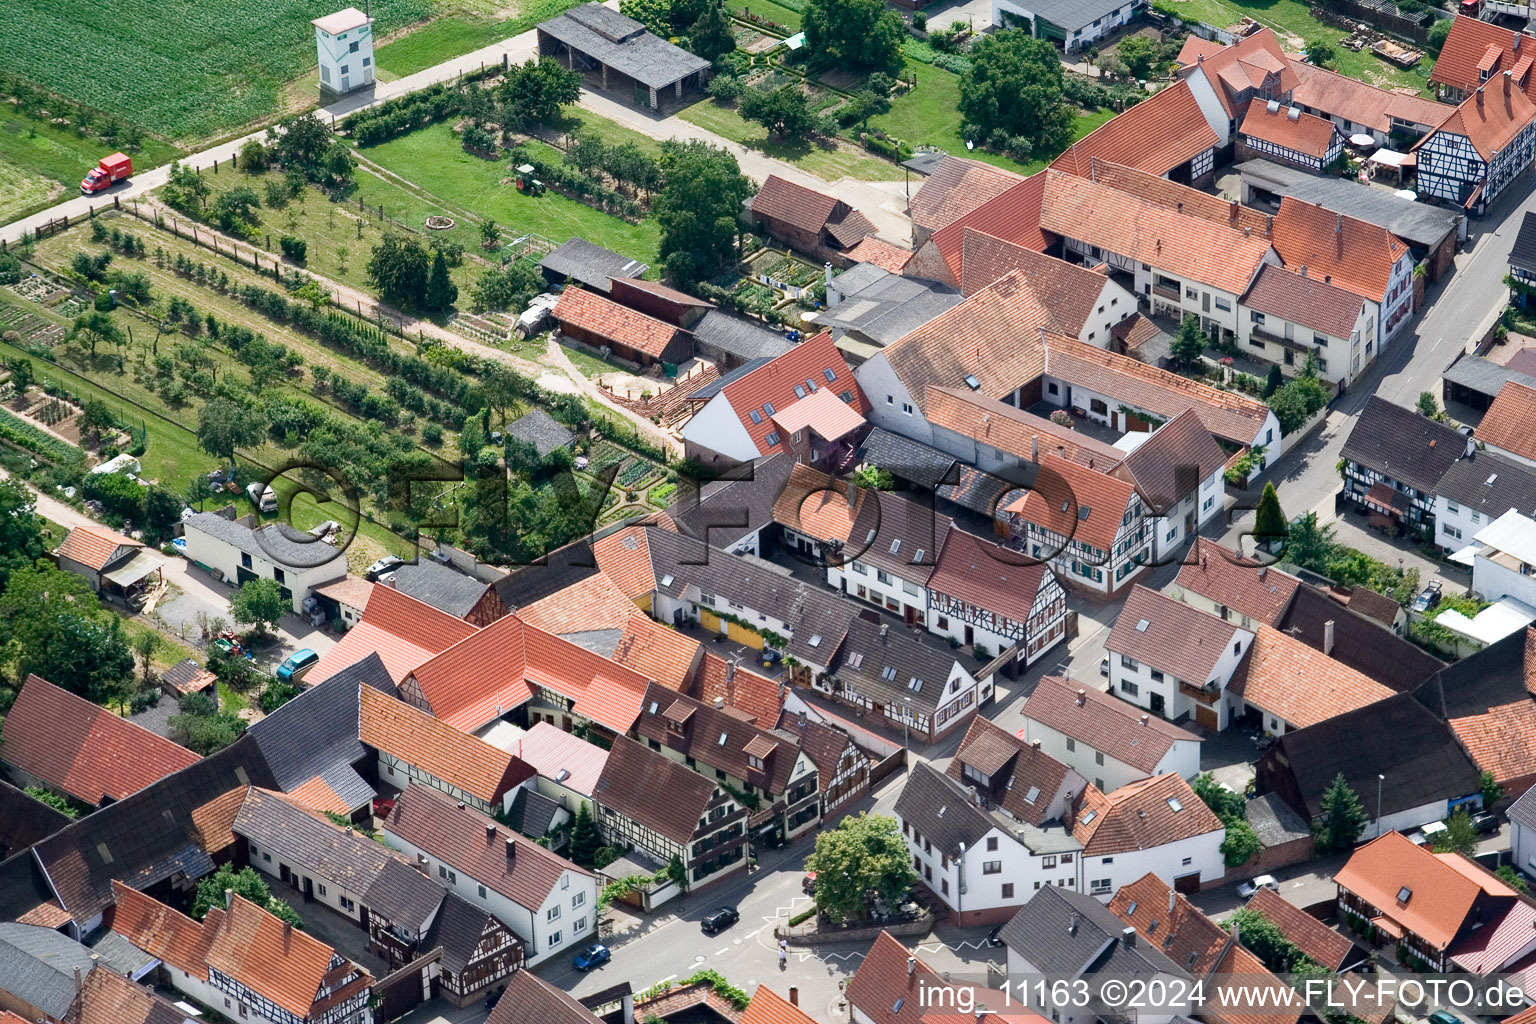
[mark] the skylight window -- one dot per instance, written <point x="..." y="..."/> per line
<point x="815" y="640"/>
<point x="1032" y="795"/>
<point x="1141" y="626"/>
<point x="915" y="684"/>
<point x="1173" y="802"/>
<point x="1083" y="512"/>
<point x="896" y="1006"/>
<point x="829" y="375"/>
<point x="855" y="659"/>
<point x="895" y="545"/>
<point x="768" y="408"/>
<point x="888" y="672"/>
<point x="919" y="556"/>
<point x="810" y="385"/>
<point x="666" y="580"/>
<point x="1404" y="894"/>
<point x="654" y="706"/>
<point x="772" y="439"/>
<point x="723" y="738"/>
<point x="972" y="383"/>
<point x="869" y="537"/>
<point x="1085" y="819"/>
<point x="799" y="391"/>
<point x="757" y="417"/>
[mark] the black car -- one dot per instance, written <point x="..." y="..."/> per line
<point x="719" y="920"/>
<point x="1428" y="597"/>
<point x="1485" y="823"/>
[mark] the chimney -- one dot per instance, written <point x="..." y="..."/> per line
<point x="1508" y="77"/>
<point x="229" y="898"/>
<point x="1269" y="224"/>
<point x="794" y="995"/>
<point x="911" y="966"/>
<point x="885" y="630"/>
<point x="1303" y="270"/>
<point x="1034" y="449"/>
<point x="511" y="847"/>
<point x="719" y="703"/>
<point x="421" y="859"/>
<point x="1263" y="572"/>
<point x="1173" y="900"/>
<point x="800" y="717"/>
<point x="79" y="981"/>
<point x="490" y="831"/>
<point x="1061" y="451"/>
<point x="1072" y="925"/>
<point x="1237" y="932"/>
<point x="287" y="930"/>
<point x="1181" y="206"/>
<point x="1479" y="97"/>
<point x="730" y="671"/>
<point x="1232" y="211"/>
<point x="461" y="805"/>
<point x="1338" y="223"/>
<point x="834" y="296"/>
<point x="1082" y="697"/>
<point x="1145" y="719"/>
<point x="1247" y="231"/>
<point x="853" y="494"/>
<point x="1200" y="58"/>
<point x="1035" y="744"/>
<point x="1328" y="638"/>
<point x="1128" y="937"/>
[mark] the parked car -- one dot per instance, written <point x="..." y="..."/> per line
<point x="719" y="920"/>
<point x="1104" y="666"/>
<point x="1486" y="823"/>
<point x="808" y="883"/>
<point x="1247" y="889"/>
<point x="1428" y="597"/>
<point x="296" y="664"/>
<point x="382" y="566"/>
<point x="1444" y="1017"/>
<point x="594" y="955"/>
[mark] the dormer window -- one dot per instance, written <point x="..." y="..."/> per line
<point x="755" y="762"/>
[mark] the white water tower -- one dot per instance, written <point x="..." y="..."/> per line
<point x="344" y="43"/>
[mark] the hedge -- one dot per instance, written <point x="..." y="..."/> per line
<point x="804" y="916"/>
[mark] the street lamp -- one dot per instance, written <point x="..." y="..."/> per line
<point x="1379" y="780"/>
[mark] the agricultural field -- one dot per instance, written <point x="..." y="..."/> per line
<point x="22" y="193"/>
<point x="432" y="160"/>
<point x="464" y="26"/>
<point x="181" y="69"/>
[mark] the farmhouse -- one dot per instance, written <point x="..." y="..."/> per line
<point x="807" y="220"/>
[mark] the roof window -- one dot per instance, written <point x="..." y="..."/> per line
<point x="972" y="383"/>
<point x="1173" y="802"/>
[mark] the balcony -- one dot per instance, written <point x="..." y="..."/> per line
<point x="1163" y="291"/>
<point x="1269" y="334"/>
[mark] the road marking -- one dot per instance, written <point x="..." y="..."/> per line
<point x="751" y="934"/>
<point x="719" y="952"/>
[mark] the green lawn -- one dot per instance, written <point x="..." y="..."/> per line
<point x="1293" y="22"/>
<point x="611" y="132"/>
<point x="39" y="152"/>
<point x="778" y="13"/>
<point x="826" y="162"/>
<point x="456" y="34"/>
<point x="433" y="158"/>
<point x="590" y="365"/>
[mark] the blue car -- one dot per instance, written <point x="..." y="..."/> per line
<point x="594" y="955"/>
<point x="298" y="663"/>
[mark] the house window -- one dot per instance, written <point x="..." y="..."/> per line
<point x="1126" y="661"/>
<point x="906" y="407"/>
<point x="991" y="844"/>
<point x="581" y="925"/>
<point x="266" y="857"/>
<point x="1452" y="507"/>
<point x="944" y="886"/>
<point x="1007" y="890"/>
<point x="579" y="900"/>
<point x="1071" y="744"/>
<point x="245" y="559"/>
<point x="991" y="867"/>
<point x="1223" y="305"/>
<point x="553" y="913"/>
<point x="1450" y="531"/>
<point x="554" y="938"/>
<point x="482" y="891"/>
<point x="277" y="574"/>
<point x="322" y="889"/>
<point x="367" y="61"/>
<point x="1100" y="886"/>
<point x="1098" y="757"/>
<point x="772" y="440"/>
<point x="1255" y="316"/>
<point x="347" y="904"/>
<point x="1129" y="688"/>
<point x="1052" y="389"/>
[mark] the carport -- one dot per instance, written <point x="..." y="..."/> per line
<point x="597" y="39"/>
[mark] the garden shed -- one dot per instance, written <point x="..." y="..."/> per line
<point x="621" y="53"/>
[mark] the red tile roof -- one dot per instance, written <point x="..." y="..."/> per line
<point x="352" y="591"/>
<point x="1069" y="291"/>
<point x="1254" y="63"/>
<point x="605" y="318"/>
<point x="1236" y="418"/>
<point x="1059" y="503"/>
<point x="160" y="931"/>
<point x="988" y="576"/>
<point x="882" y="990"/>
<point x="1103" y="721"/>
<point x="1337" y="95"/>
<point x="1180" y="198"/>
<point x="1195" y="48"/>
<point x="477" y="846"/>
<point x="1502" y="740"/>
<point x="1020" y="773"/>
<point x="94" y="546"/>
<point x="796" y="205"/>
<point x="1141" y="816"/>
<point x="768" y="1007"/>
<point x="74" y="746"/>
<point x="824" y="412"/>
<point x="1305" y="300"/>
<point x="551" y="750"/>
<point x="595" y="602"/>
<point x="1156" y="135"/>
<point x="403" y="631"/>
<point x="1341" y="250"/>
<point x="626" y="559"/>
<point x="317" y="795"/>
<point x="1304" y="133"/>
<point x="955" y="188"/>
<point x="881" y="253"/>
<point x="1261" y="593"/>
<point x="1194" y="248"/>
<point x="759" y="698"/>
<point x="1507" y="423"/>
<point x="1321" y="944"/>
<point x="1298" y="684"/>
<point x="1442" y="888"/>
<point x="1467" y="48"/>
<point x="1490" y="120"/>
<point x="1001" y="426"/>
<point x="1013" y="216"/>
<point x="437" y="748"/>
<point x="775" y="382"/>
<point x="656" y="651"/>
<point x="284" y="964"/>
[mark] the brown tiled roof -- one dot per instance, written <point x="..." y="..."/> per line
<point x="653" y="790"/>
<point x="761" y="699"/>
<point x="109" y="998"/>
<point x="878" y="521"/>
<point x="25" y="820"/>
<point x="823" y="742"/>
<point x="626" y="559"/>
<point x="1174" y="460"/>
<point x="1250" y="63"/>
<point x="1183" y="933"/>
<point x="992" y="336"/>
<point x="1304" y="133"/>
<point x="94" y="546"/>
<point x="768" y="1007"/>
<point x="1261" y="593"/>
<point x="437" y="748"/>
<point x="403" y="631"/>
<point x="595" y="602"/>
<point x="1306" y="300"/>
<point x="1194" y="48"/>
<point x="1001" y="426"/>
<point x="1372" y="605"/>
<point x="1156" y="135"/>
<point x="623" y="289"/>
<point x="162" y="932"/>
<point x="1103" y="721"/>
<point x="775" y="381"/>
<point x="1068" y="290"/>
<point x="1176" y="639"/>
<point x="529" y="999"/>
<point x="988" y="576"/>
<point x="1321" y="944"/>
<point x="851" y="229"/>
<point x="1135" y="331"/>
<point x="1013" y="216"/>
<point x="84" y="750"/>
<point x="213" y="822"/>
<point x="187" y="676"/>
<point x="795" y="205"/>
<point x="1466" y="50"/>
<point x="607" y="319"/>
<point x="1442" y="891"/>
<point x="1507" y="423"/>
<point x="317" y="795"/>
<point x="352" y="591"/>
<point x="1233" y="417"/>
<point x="1060" y="503"/>
<point x="881" y="253"/>
<point x="1341" y="250"/>
<point x="47" y="914"/>
<point x="1502" y="740"/>
<point x="1298" y="684"/>
<point x="1192" y="247"/>
<point x="1016" y="768"/>
<point x="1141" y="816"/>
<point x="1338" y="95"/>
<point x="282" y="963"/>
<point x="717" y="739"/>
<point x="1180" y="198"/>
<point x="477" y="846"/>
<point x="955" y="188"/>
<point x="656" y="651"/>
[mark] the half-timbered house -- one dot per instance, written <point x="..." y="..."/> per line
<point x="1482" y="147"/>
<point x="984" y="595"/>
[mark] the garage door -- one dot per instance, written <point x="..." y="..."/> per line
<point x="1206" y="717"/>
<point x="1187" y="884"/>
<point x="709" y="620"/>
<point x="743" y="635"/>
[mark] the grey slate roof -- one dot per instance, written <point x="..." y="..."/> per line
<point x="1490" y="483"/>
<point x="547" y="575"/>
<point x="1358" y="642"/>
<point x="1484" y="375"/>
<point x="867" y="654"/>
<point x="592" y="265"/>
<point x="738" y="336"/>
<point x="945" y="812"/>
<point x="740" y="502"/>
<point x="906" y="458"/>
<point x="1484" y="679"/>
<point x="538" y="428"/>
<point x="623" y="44"/>
<point x="1523" y="254"/>
<point x="1403" y="444"/>
<point x="276" y="542"/>
<point x="1418" y="224"/>
<point x="1072" y="15"/>
<point x="1069" y="933"/>
<point x="926" y="163"/>
<point x="37" y="965"/>
<point x="532" y="813"/>
<point x="316" y="733"/>
<point x="882" y="306"/>
<point x="445" y="589"/>
<point x="1274" y="822"/>
<point x="23" y="820"/>
<point x="457" y="930"/>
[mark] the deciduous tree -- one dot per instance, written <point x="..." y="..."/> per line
<point x="864" y="34"/>
<point x="698" y="209"/>
<point x="399" y="268"/>
<point x="1015" y="86"/>
<point x="21" y="530"/>
<point x="533" y="93"/>
<point x="258" y="604"/>
<point x="246" y="884"/>
<point x="223" y="426"/>
<point x="1137" y="52"/>
<point x="863" y="854"/>
<point x="784" y="112"/>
